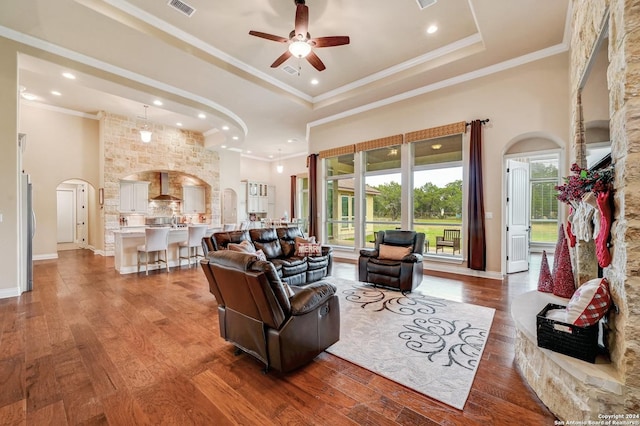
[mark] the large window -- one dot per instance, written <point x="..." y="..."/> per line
<point x="544" y="204"/>
<point x="383" y="191"/>
<point x="340" y="192"/>
<point x="437" y="190"/>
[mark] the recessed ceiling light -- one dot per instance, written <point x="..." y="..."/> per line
<point x="28" y="96"/>
<point x="248" y="152"/>
<point x="202" y="116"/>
<point x="432" y="29"/>
<point x="68" y="75"/>
<point x="223" y="146"/>
<point x="315" y="81"/>
<point x="292" y="140"/>
<point x="235" y="138"/>
<point x="225" y="127"/>
<point x="179" y="124"/>
<point x="56" y="93"/>
<point x="271" y="156"/>
<point x="157" y="102"/>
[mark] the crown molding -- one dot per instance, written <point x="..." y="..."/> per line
<point x="463" y="78"/>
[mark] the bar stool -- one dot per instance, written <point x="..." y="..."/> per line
<point x="155" y="240"/>
<point x="194" y="240"/>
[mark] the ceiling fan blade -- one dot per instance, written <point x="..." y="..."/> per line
<point x="302" y="20"/>
<point x="286" y="55"/>
<point x="315" y="61"/>
<point x="330" y="41"/>
<point x="269" y="36"/>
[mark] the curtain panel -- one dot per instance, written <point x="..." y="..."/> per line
<point x="476" y="248"/>
<point x="312" y="164"/>
<point x="292" y="206"/>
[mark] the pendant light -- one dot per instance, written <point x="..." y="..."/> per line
<point x="145" y="133"/>
<point x="279" y="167"/>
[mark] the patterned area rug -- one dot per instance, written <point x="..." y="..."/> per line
<point x="428" y="344"/>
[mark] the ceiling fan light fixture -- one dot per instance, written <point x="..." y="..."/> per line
<point x="299" y="49"/>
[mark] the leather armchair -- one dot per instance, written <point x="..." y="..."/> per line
<point x="386" y="267"/>
<point x="283" y="327"/>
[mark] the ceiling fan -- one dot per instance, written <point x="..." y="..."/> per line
<point x="300" y="42"/>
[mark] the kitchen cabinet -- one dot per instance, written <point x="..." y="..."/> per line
<point x="193" y="199"/>
<point x="134" y="196"/>
<point x="257" y="197"/>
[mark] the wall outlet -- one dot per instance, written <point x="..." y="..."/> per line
<point x="1" y="217"/>
<point x="488" y="215"/>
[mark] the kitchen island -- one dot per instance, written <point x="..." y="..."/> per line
<point x="126" y="241"/>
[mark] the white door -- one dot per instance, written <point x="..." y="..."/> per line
<point x="229" y="206"/>
<point x="81" y="215"/>
<point x="518" y="217"/>
<point x="66" y="215"/>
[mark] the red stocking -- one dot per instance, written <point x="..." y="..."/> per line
<point x="572" y="238"/>
<point x="602" y="252"/>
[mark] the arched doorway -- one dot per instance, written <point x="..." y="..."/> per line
<point x="533" y="165"/>
<point x="72" y="214"/>
<point x="229" y="206"/>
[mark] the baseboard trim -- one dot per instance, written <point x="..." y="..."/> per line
<point x="6" y="293"/>
<point x="45" y="256"/>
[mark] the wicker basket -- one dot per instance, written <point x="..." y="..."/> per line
<point x="568" y="339"/>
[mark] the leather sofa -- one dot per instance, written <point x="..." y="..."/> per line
<point x="278" y="245"/>
<point x="284" y="327"/>
<point x="395" y="261"/>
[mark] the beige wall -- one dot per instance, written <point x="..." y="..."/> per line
<point x="9" y="203"/>
<point x="530" y="98"/>
<point x="59" y="147"/>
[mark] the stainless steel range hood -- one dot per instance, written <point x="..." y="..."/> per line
<point x="164" y="189"/>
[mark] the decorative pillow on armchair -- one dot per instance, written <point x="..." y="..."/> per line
<point x="387" y="252"/>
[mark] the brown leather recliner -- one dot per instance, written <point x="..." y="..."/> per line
<point x="382" y="265"/>
<point x="284" y="328"/>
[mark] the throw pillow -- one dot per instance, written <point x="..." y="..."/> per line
<point x="243" y="247"/>
<point x="261" y="256"/>
<point x="309" y="249"/>
<point x="589" y="303"/>
<point x="387" y="252"/>
<point x="300" y="240"/>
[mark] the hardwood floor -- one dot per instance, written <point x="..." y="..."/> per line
<point x="89" y="346"/>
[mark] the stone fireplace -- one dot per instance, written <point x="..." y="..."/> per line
<point x="578" y="390"/>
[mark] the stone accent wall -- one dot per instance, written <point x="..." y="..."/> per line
<point x="582" y="401"/>
<point x="170" y="149"/>
<point x="624" y="83"/>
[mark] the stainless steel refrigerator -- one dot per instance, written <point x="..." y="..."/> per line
<point x="28" y="230"/>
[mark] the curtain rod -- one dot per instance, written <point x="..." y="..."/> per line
<point x="485" y="121"/>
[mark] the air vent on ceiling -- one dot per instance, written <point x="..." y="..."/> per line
<point x="182" y="7"/>
<point x="290" y="70"/>
<point x="426" y="3"/>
